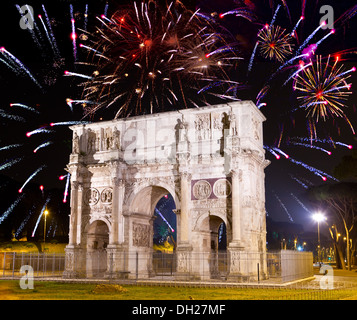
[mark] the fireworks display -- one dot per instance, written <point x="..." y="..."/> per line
<point x="149" y="58"/>
<point x="86" y="62"/>
<point x="275" y="43"/>
<point x="324" y="89"/>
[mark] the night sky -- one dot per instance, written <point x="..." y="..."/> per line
<point x="284" y="194"/>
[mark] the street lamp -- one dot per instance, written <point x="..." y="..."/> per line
<point x="44" y="231"/>
<point x="318" y="217"/>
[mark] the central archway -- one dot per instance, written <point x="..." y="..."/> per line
<point x="152" y="213"/>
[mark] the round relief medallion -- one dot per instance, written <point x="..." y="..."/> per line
<point x="222" y="188"/>
<point x="92" y="196"/>
<point x="107" y="195"/>
<point x="202" y="189"/>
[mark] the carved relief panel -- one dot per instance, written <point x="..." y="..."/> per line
<point x="216" y="188"/>
<point x="141" y="235"/>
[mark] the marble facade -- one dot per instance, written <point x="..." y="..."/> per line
<point x="211" y="160"/>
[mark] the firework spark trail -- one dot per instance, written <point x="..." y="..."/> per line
<point x="300" y="202"/>
<point x="20" y="65"/>
<point x="327" y="141"/>
<point x="296" y="26"/>
<point x="81" y="45"/>
<point x="299" y="182"/>
<point x="86" y="18"/>
<point x="53" y="39"/>
<point x="281" y="152"/>
<point x="13" y="68"/>
<point x="9" y="163"/>
<point x="272" y="152"/>
<point x="4" y="114"/>
<point x="308" y="39"/>
<point x="65" y="194"/>
<point x="11" y="208"/>
<point x="342" y="74"/>
<point x="11" y="146"/>
<point x="297" y="72"/>
<point x="40" y="216"/>
<point x="349" y="14"/>
<point x="344" y="144"/>
<point x="252" y="56"/>
<point x="275" y="15"/>
<point x="262" y="93"/>
<point x="239" y="12"/>
<point x="321" y="174"/>
<point x="43" y="145"/>
<point x="31" y="30"/>
<point x="106" y="9"/>
<point x="37" y="131"/>
<point x="24" y="107"/>
<point x="287" y="63"/>
<point x="47" y="34"/>
<point x="73" y="34"/>
<point x="163" y="218"/>
<point x="281" y="135"/>
<point x="284" y="207"/>
<point x="23" y="223"/>
<point x="68" y="73"/>
<point x="303" y="7"/>
<point x="31" y="177"/>
<point x="68" y="123"/>
<point x="311" y="146"/>
<point x="324" y="38"/>
<point x="83" y="101"/>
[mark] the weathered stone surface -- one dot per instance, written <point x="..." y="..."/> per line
<point x="211" y="160"/>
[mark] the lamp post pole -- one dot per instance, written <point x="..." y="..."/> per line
<point x="318" y="217"/>
<point x="44" y="229"/>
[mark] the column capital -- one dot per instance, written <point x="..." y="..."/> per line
<point x="117" y="182"/>
<point x="76" y="185"/>
<point x="185" y="175"/>
<point x="236" y="173"/>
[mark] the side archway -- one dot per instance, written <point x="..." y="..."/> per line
<point x="97" y="240"/>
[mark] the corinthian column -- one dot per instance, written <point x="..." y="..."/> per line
<point x="79" y="213"/>
<point x="185" y="185"/>
<point x="117" y="210"/>
<point x="74" y="210"/>
<point x="236" y="210"/>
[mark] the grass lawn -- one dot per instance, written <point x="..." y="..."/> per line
<point x="10" y="290"/>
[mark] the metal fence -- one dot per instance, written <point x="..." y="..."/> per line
<point x="43" y="264"/>
<point x="278" y="267"/>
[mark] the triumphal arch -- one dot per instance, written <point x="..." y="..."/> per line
<point x="210" y="159"/>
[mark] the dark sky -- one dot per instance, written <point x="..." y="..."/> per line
<point x="51" y="102"/>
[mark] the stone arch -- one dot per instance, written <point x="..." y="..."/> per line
<point x="204" y="219"/>
<point x="154" y="192"/>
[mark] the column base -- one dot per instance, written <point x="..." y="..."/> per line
<point x="184" y="262"/>
<point x="117" y="262"/>
<point x="236" y="245"/>
<point x="74" y="262"/>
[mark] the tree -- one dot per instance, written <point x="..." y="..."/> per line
<point x="347" y="168"/>
<point x="340" y="202"/>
